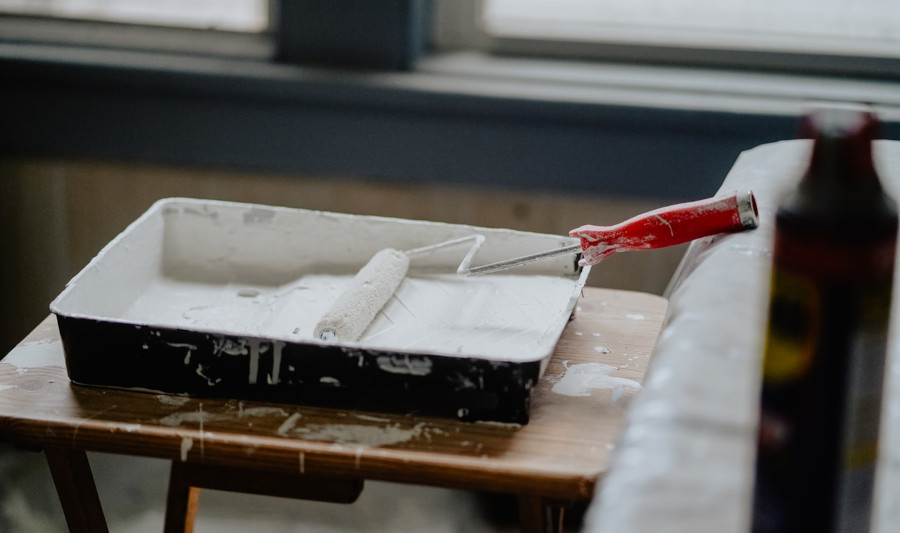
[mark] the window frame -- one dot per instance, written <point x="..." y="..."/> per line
<point x="470" y="118"/>
<point x="467" y="30"/>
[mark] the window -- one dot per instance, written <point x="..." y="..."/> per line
<point x="810" y="36"/>
<point x="833" y="26"/>
<point x="227" y="15"/>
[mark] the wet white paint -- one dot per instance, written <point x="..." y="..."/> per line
<point x="186" y="444"/>
<point x="581" y="379"/>
<point x="402" y="364"/>
<point x="36" y="354"/>
<point x="170" y="399"/>
<point x="199" y="417"/>
<point x="201" y="371"/>
<point x="261" y="412"/>
<point x="371" y="418"/>
<point x="189" y="347"/>
<point x="254" y="361"/>
<point x="288" y="424"/>
<point x="359" y="434"/>
<point x="510" y="425"/>
<point x="276" y="362"/>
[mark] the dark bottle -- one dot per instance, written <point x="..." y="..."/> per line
<point x="823" y="369"/>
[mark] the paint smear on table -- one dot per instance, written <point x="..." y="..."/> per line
<point x="36" y="354"/>
<point x="169" y="399"/>
<point x="360" y="434"/>
<point x="581" y="379"/>
<point x="200" y="417"/>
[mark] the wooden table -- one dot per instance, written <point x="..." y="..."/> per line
<point x="326" y="454"/>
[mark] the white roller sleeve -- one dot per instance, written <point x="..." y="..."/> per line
<point x="356" y="307"/>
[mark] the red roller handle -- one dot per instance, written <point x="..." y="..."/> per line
<point x="668" y="226"/>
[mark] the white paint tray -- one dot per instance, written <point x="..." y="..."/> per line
<point x="211" y="298"/>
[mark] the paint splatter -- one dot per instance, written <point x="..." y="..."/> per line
<point x="248" y="293"/>
<point x="186" y="444"/>
<point x="512" y="425"/>
<point x="37" y="354"/>
<point x="177" y="419"/>
<point x="396" y="364"/>
<point x="581" y="379"/>
<point x="261" y="411"/>
<point x="288" y="424"/>
<point x="169" y="399"/>
<point x="360" y="434"/>
<point x="371" y="418"/>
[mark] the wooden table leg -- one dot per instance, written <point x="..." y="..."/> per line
<point x="186" y="480"/>
<point x="181" y="503"/>
<point x="538" y="516"/>
<point x="76" y="489"/>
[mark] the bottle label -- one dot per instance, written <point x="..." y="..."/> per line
<point x="794" y="323"/>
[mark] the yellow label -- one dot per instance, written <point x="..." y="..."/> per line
<point x="794" y="323"/>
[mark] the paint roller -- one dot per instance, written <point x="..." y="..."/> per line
<point x="667" y="226"/>
<point x="377" y="281"/>
<point x="375" y="284"/>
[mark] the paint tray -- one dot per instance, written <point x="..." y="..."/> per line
<point x="218" y="299"/>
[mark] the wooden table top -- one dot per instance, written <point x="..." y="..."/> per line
<point x="559" y="454"/>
